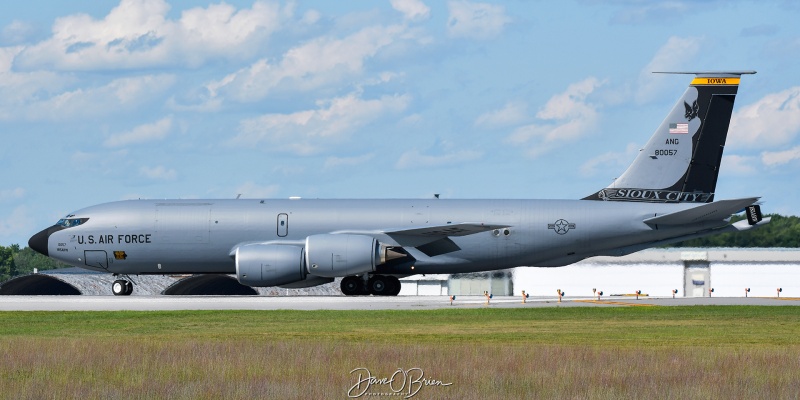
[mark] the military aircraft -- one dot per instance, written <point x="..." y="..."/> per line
<point x="665" y="196"/>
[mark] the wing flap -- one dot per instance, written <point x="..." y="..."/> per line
<point x="715" y="211"/>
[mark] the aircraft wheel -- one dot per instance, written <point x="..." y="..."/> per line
<point x="378" y="285"/>
<point x="397" y="285"/>
<point x="119" y="287"/>
<point x="351" y="285"/>
<point x="392" y="284"/>
<point x="128" y="288"/>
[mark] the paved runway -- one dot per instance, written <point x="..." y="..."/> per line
<point x="163" y="303"/>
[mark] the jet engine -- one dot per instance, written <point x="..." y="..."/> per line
<point x="332" y="255"/>
<point x="322" y="256"/>
<point x="269" y="264"/>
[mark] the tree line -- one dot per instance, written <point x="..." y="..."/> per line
<point x="15" y="261"/>
<point x="780" y="232"/>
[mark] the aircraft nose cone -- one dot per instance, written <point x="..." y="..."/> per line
<point x="38" y="242"/>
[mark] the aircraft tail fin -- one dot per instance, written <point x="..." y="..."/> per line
<point x="680" y="162"/>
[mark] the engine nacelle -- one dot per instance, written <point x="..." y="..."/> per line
<point x="332" y="255"/>
<point x="269" y="264"/>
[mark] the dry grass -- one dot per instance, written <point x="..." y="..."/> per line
<point x="574" y="354"/>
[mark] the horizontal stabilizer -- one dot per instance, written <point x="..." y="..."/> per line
<point x="740" y="226"/>
<point x="715" y="211"/>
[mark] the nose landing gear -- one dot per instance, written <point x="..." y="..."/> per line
<point x="122" y="287"/>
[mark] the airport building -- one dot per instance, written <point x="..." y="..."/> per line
<point x="655" y="272"/>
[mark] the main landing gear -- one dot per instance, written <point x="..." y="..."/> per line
<point x="122" y="287"/>
<point x="377" y="285"/>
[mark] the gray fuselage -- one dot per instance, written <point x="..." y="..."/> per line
<point x="199" y="236"/>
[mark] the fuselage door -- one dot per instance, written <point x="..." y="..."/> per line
<point x="283" y="224"/>
<point x="95" y="259"/>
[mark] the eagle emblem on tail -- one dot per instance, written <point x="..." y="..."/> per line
<point x="691" y="111"/>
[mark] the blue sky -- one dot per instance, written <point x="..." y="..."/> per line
<point x="103" y="101"/>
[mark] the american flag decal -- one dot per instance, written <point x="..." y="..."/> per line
<point x="678" y="128"/>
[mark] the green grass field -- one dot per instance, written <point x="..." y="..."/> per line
<point x="645" y="352"/>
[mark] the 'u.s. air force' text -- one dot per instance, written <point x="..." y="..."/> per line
<point x="142" y="238"/>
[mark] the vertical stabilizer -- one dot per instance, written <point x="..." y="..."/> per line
<point x="680" y="162"/>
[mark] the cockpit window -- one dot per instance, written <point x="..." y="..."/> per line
<point x="70" y="221"/>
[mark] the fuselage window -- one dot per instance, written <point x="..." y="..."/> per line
<point x="70" y="222"/>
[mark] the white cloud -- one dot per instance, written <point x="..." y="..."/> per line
<point x="254" y="191"/>
<point x="610" y="162"/>
<point x="101" y="162"/>
<point x="141" y="134"/>
<point x="776" y="158"/>
<point x="311" y="17"/>
<point x="311" y="131"/>
<point x="413" y="10"/>
<point x="17" y="32"/>
<point x="739" y="165"/>
<point x="17" y="223"/>
<point x="475" y="20"/>
<point x="119" y="95"/>
<point x="160" y="173"/>
<point x="672" y="56"/>
<point x="319" y="62"/>
<point x="20" y="88"/>
<point x="655" y="12"/>
<point x="10" y="194"/>
<point x="443" y="155"/>
<point x="565" y="117"/>
<point x="512" y="113"/>
<point x="139" y="34"/>
<point x="774" y="120"/>
<point x="335" y="162"/>
<point x="288" y="170"/>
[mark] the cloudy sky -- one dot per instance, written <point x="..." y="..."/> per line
<point x="378" y="99"/>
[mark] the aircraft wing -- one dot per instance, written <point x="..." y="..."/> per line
<point x="715" y="211"/>
<point x="438" y="231"/>
<point x="432" y="240"/>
